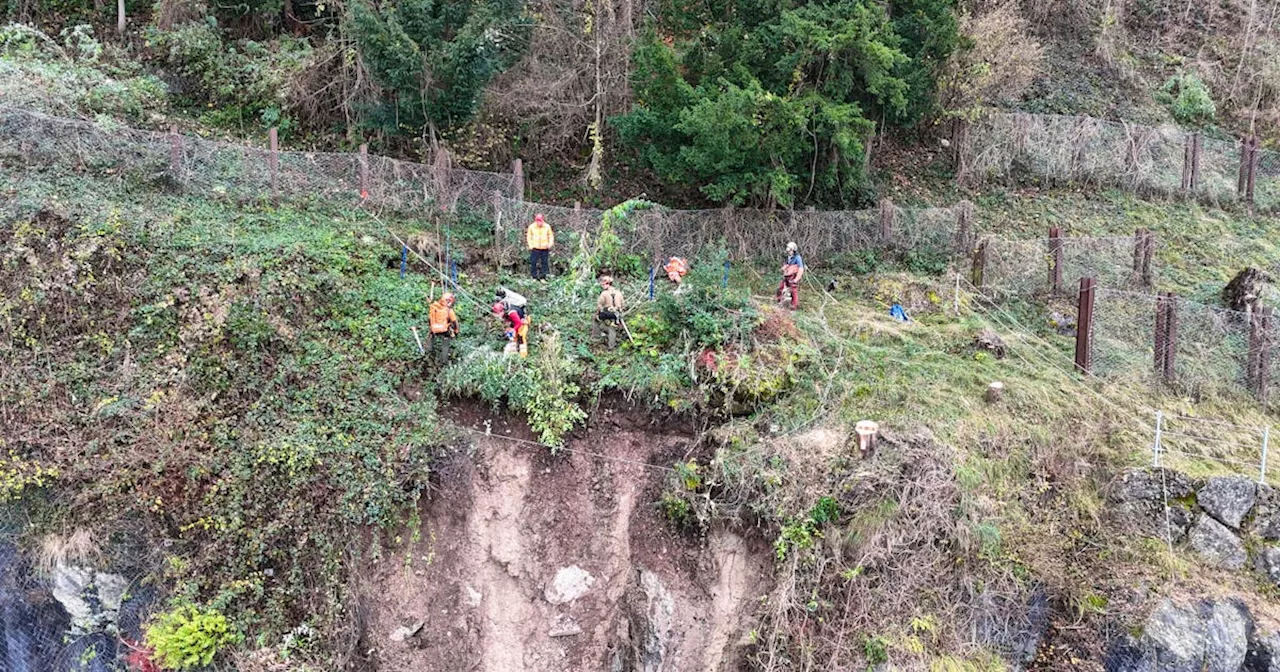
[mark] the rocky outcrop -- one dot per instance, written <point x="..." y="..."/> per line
<point x="1266" y="515"/>
<point x="1227" y="628"/>
<point x="1213" y="635"/>
<point x="1264" y="654"/>
<point x="1140" y="496"/>
<point x="1228" y="499"/>
<point x="1268" y="564"/>
<point x="1217" y="545"/>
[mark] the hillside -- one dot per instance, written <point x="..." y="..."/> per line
<point x="227" y="442"/>
<point x="238" y="381"/>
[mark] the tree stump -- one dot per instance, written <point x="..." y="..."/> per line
<point x="995" y="391"/>
<point x="866" y="431"/>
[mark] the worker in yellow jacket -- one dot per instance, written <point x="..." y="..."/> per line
<point x="540" y="239"/>
<point x="444" y="327"/>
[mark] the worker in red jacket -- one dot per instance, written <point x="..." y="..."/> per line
<point x="517" y="328"/>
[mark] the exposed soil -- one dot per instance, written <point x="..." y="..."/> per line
<point x="504" y="522"/>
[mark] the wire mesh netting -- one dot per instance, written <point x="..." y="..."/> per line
<point x="242" y="171"/>
<point x="1144" y="159"/>
<point x="1024" y="267"/>
<point x="747" y="233"/>
<point x="1200" y="350"/>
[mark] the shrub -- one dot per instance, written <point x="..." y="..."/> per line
<point x="243" y="82"/>
<point x="1188" y="100"/>
<point x="187" y="637"/>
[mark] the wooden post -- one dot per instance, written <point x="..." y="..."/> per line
<point x="517" y="170"/>
<point x="1084" y="326"/>
<point x="887" y="214"/>
<point x="175" y="152"/>
<point x="979" y="264"/>
<point x="576" y="221"/>
<point x="364" y="171"/>
<point x="273" y="162"/>
<point x="1055" y="256"/>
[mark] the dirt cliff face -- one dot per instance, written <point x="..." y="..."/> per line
<point x="528" y="561"/>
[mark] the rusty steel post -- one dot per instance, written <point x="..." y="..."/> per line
<point x="1161" y="333"/>
<point x="1148" y="256"/>
<point x="1171" y="337"/>
<point x="273" y="163"/>
<point x="1253" y="168"/>
<point x="1196" y="144"/>
<point x="364" y="171"/>
<point x="1084" y="326"/>
<point x="1055" y="257"/>
<point x="1186" y="162"/>
<point x="175" y="152"/>
<point x="979" y="264"/>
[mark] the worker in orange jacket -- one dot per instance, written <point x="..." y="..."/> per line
<point x="444" y="326"/>
<point x="540" y="239"/>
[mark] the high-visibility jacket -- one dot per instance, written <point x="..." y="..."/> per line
<point x="442" y="317"/>
<point x="676" y="268"/>
<point x="539" y="236"/>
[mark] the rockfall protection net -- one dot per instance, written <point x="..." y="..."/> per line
<point x="1201" y="351"/>
<point x="240" y="171"/>
<point x="1084" y="150"/>
<point x="659" y="232"/>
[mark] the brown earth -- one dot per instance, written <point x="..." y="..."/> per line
<point x="505" y="521"/>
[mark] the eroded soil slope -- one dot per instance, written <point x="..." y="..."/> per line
<point x="535" y="562"/>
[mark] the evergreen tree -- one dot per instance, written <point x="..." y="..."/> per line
<point x="433" y="58"/>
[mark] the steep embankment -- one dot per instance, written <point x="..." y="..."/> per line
<point x="528" y="561"/>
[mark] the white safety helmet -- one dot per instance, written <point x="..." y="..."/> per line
<point x="791" y="247"/>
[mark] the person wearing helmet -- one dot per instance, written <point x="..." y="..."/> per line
<point x="444" y="326"/>
<point x="540" y="239"/>
<point x="608" y="311"/>
<point x="512" y="301"/>
<point x="516" y="327"/>
<point x="792" y="271"/>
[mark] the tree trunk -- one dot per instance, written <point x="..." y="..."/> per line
<point x="120" y="16"/>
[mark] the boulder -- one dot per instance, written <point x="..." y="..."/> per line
<point x="1266" y="514"/>
<point x="569" y="584"/>
<point x="991" y="342"/>
<point x="1217" y="544"/>
<point x="1175" y="638"/>
<point x="1227" y="629"/>
<point x="1264" y="654"/>
<point x="1138" y="497"/>
<point x="1267" y="562"/>
<point x="1228" y="499"/>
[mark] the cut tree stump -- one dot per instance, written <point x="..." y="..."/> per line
<point x="994" y="392"/>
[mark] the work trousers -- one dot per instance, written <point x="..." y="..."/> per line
<point x="610" y="322"/>
<point x="440" y="344"/>
<point x="790" y="286"/>
<point x="539" y="262"/>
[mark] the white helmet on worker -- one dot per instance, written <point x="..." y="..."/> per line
<point x="447" y="297"/>
<point x="791" y="247"/>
